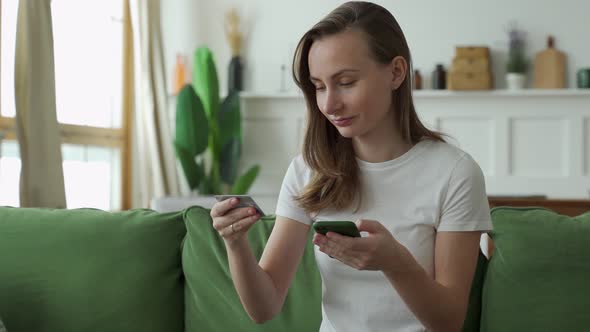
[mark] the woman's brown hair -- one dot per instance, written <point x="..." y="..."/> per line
<point x="335" y="181"/>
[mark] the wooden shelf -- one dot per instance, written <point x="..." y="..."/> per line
<point x="569" y="207"/>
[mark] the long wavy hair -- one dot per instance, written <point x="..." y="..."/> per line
<point x="335" y="181"/>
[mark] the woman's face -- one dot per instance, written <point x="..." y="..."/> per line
<point x="353" y="91"/>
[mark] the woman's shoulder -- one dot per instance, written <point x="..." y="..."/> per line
<point x="298" y="163"/>
<point x="453" y="160"/>
<point x="298" y="168"/>
<point x="445" y="152"/>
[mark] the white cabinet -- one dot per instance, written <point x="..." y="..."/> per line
<point x="527" y="142"/>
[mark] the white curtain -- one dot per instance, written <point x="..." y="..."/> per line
<point x="157" y="174"/>
<point x="41" y="181"/>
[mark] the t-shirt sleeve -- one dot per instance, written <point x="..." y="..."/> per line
<point x="294" y="182"/>
<point x="465" y="206"/>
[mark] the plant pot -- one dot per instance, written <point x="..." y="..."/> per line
<point x="235" y="74"/>
<point x="583" y="79"/>
<point x="515" y="81"/>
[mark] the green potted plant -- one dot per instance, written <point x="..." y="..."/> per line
<point x="517" y="64"/>
<point x="203" y="123"/>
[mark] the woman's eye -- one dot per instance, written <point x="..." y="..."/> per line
<point x="347" y="83"/>
<point x="319" y="88"/>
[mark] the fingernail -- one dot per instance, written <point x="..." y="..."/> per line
<point x="234" y="200"/>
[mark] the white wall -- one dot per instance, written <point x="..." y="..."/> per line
<point x="432" y="27"/>
<point x="181" y="31"/>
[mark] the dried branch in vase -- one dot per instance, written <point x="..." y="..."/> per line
<point x="233" y="32"/>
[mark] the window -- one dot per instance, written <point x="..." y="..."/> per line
<point x="88" y="42"/>
<point x="8" y="39"/>
<point x="9" y="173"/>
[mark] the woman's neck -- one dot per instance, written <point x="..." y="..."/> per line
<point x="381" y="152"/>
<point x="381" y="144"/>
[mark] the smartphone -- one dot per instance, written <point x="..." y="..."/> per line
<point x="346" y="228"/>
<point x="244" y="201"/>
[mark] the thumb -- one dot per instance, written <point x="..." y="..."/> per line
<point x="369" y="226"/>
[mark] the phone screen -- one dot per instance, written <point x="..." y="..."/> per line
<point x="346" y="228"/>
<point x="244" y="201"/>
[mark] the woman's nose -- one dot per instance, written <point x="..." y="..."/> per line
<point x="331" y="103"/>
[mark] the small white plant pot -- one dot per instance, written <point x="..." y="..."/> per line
<point x="515" y="81"/>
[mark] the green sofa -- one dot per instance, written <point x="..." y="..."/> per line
<point x="139" y="270"/>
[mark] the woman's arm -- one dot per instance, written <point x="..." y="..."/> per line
<point x="262" y="287"/>
<point x="439" y="303"/>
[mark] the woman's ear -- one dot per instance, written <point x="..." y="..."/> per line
<point x="399" y="70"/>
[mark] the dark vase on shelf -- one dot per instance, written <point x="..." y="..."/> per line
<point x="234" y="80"/>
<point x="439" y="78"/>
<point x="417" y="80"/>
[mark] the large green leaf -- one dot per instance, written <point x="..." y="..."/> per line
<point x="215" y="179"/>
<point x="230" y="156"/>
<point x="242" y="186"/>
<point x="205" y="187"/>
<point x="192" y="129"/>
<point x="189" y="166"/>
<point x="205" y="80"/>
<point x="229" y="119"/>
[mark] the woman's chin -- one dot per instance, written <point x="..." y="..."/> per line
<point x="347" y="132"/>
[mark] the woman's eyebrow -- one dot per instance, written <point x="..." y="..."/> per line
<point x="338" y="73"/>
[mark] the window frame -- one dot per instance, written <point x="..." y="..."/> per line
<point x="100" y="136"/>
<point x="91" y="136"/>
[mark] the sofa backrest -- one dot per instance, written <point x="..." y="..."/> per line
<point x="139" y="270"/>
<point x="212" y="303"/>
<point x="89" y="270"/>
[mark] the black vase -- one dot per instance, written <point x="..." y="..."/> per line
<point x="234" y="81"/>
<point x="439" y="78"/>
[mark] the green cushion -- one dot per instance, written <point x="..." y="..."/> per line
<point x="89" y="270"/>
<point x="538" y="277"/>
<point x="211" y="301"/>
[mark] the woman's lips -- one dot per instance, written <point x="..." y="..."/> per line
<point x="343" y="122"/>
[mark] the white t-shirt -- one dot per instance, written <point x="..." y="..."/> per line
<point x="433" y="187"/>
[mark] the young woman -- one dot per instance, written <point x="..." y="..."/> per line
<point x="420" y="202"/>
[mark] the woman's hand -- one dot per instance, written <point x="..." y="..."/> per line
<point x="378" y="251"/>
<point x="232" y="223"/>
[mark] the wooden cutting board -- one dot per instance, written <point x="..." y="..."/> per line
<point x="549" y="68"/>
